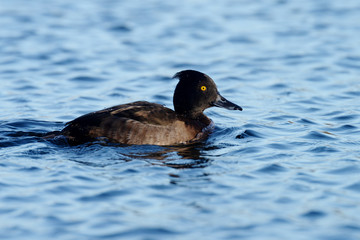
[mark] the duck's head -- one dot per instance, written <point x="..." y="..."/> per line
<point x="196" y="92"/>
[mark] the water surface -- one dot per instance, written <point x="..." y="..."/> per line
<point x="287" y="167"/>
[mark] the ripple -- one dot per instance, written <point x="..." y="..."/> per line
<point x="120" y="28"/>
<point x="140" y="232"/>
<point x="306" y="121"/>
<point x="351" y="227"/>
<point x="281" y="117"/>
<point x="314" y="214"/>
<point x="105" y="195"/>
<point x="66" y="61"/>
<point x="87" y="79"/>
<point x="315" y="135"/>
<point x="279" y="86"/>
<point x="344" y="127"/>
<point x="272" y="169"/>
<point x="344" y="118"/>
<point x="354" y="187"/>
<point x="249" y="133"/>
<point x="279" y="146"/>
<point x="322" y="149"/>
<point x="241" y="40"/>
<point x="346" y="170"/>
<point x="353" y="93"/>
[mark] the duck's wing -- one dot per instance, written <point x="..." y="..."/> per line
<point x="133" y="123"/>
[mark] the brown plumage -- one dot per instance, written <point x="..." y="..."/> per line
<point x="136" y="123"/>
<point x="150" y="123"/>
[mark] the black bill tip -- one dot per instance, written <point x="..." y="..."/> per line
<point x="224" y="103"/>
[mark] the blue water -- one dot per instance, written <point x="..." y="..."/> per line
<point x="287" y="167"/>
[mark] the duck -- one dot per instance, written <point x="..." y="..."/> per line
<point x="145" y="123"/>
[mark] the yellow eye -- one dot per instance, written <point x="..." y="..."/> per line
<point x="203" y="88"/>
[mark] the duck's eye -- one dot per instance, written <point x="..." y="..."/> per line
<point x="203" y="88"/>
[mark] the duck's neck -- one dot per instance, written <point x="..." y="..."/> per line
<point x="199" y="116"/>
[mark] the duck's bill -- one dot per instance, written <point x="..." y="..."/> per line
<point x="224" y="103"/>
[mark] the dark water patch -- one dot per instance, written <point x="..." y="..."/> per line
<point x="354" y="187"/>
<point x="87" y="98"/>
<point x="353" y="58"/>
<point x="316" y="79"/>
<point x="272" y="169"/>
<point x="248" y="134"/>
<point x="353" y="93"/>
<point x="252" y="196"/>
<point x="137" y="232"/>
<point x="322" y="149"/>
<point x="306" y="121"/>
<point x="345" y="127"/>
<point x="279" y="86"/>
<point x="315" y="135"/>
<point x="311" y="179"/>
<point x="243" y="65"/>
<point x="311" y="110"/>
<point x="85" y="178"/>
<point x="281" y="117"/>
<point x="346" y="170"/>
<point x="161" y="97"/>
<point x="53" y="219"/>
<point x="30" y="169"/>
<point x="277" y="156"/>
<point x="307" y="102"/>
<point x="7" y="210"/>
<point x="258" y="71"/>
<point x="321" y="69"/>
<point x="124" y="89"/>
<point x="54" y="73"/>
<point x="345" y="118"/>
<point x="27" y="124"/>
<point x="246" y="150"/>
<point x="20" y="100"/>
<point x="314" y="214"/>
<point x="21" y="198"/>
<point x="351" y="227"/>
<point x="321" y="26"/>
<point x="120" y="28"/>
<point x="292" y="33"/>
<point x="279" y="220"/>
<point x="303" y="188"/>
<point x="279" y="146"/>
<point x="332" y="113"/>
<point x="161" y="187"/>
<point x="19" y="141"/>
<point x="241" y="40"/>
<point x="63" y="189"/>
<point x="285" y="200"/>
<point x="67" y="61"/>
<point x="105" y="196"/>
<point x="349" y="65"/>
<point x="87" y="79"/>
<point x="26" y="88"/>
<point x="184" y="164"/>
<point x="116" y="95"/>
<point x="186" y="65"/>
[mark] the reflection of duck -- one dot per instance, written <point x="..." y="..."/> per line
<point x="178" y="156"/>
<point x="150" y="123"/>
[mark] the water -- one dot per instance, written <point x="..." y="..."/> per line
<point x="287" y="167"/>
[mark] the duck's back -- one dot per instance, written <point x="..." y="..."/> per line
<point x="134" y="123"/>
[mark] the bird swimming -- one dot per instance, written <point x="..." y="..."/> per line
<point x="142" y="123"/>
